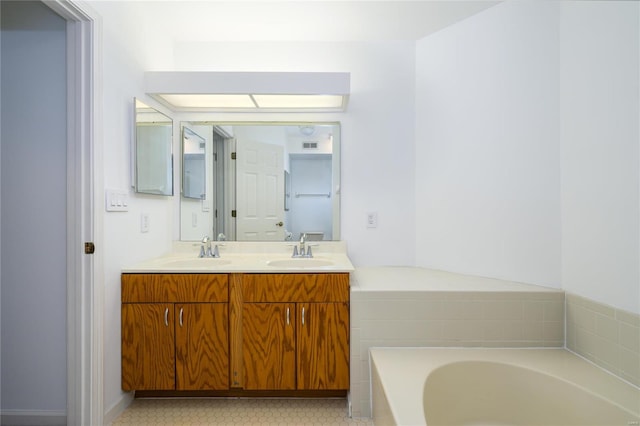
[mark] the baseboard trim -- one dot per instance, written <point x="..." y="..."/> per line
<point x="33" y="418"/>
<point x="118" y="408"/>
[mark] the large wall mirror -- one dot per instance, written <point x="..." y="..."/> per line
<point x="262" y="181"/>
<point x="153" y="155"/>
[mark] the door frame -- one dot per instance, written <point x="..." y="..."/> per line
<point x="85" y="298"/>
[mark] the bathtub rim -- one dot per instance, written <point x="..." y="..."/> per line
<point x="374" y="279"/>
<point x="403" y="386"/>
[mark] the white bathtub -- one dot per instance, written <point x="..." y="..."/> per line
<point x="459" y="386"/>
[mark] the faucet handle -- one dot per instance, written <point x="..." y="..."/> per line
<point x="309" y="254"/>
<point x="216" y="253"/>
<point x="202" y="253"/>
<point x="295" y="251"/>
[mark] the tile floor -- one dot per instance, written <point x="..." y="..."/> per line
<point x="245" y="412"/>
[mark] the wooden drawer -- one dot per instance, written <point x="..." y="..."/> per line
<point x="149" y="288"/>
<point x="295" y="287"/>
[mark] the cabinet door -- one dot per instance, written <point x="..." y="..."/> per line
<point x="323" y="346"/>
<point x="148" y="346"/>
<point x="202" y="346"/>
<point x="268" y="345"/>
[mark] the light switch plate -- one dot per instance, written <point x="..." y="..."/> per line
<point x="116" y="200"/>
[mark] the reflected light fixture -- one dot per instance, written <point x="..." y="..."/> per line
<point x="307" y="130"/>
<point x="250" y="91"/>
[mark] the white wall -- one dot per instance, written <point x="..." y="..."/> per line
<point x="124" y="59"/>
<point x="34" y="352"/>
<point x="600" y="47"/>
<point x="377" y="130"/>
<point x="487" y="163"/>
<point x="527" y="147"/>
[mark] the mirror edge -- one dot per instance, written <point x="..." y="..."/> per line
<point x="134" y="152"/>
<point x="183" y="129"/>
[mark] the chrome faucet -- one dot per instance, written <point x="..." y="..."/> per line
<point x="302" y="252"/>
<point x="205" y="248"/>
<point x="303" y="240"/>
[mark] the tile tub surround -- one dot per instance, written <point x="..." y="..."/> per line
<point x="417" y="307"/>
<point x="606" y="336"/>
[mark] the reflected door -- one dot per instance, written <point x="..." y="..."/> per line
<point x="259" y="191"/>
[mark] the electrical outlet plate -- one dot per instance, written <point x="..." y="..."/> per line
<point x="372" y="220"/>
<point x="144" y="222"/>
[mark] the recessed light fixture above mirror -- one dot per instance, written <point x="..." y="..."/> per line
<point x="250" y="91"/>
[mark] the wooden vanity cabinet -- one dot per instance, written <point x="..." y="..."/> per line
<point x="202" y="346"/>
<point x="278" y="334"/>
<point x="323" y="346"/>
<point x="295" y="331"/>
<point x="148" y="346"/>
<point x="269" y="346"/>
<point x="175" y="332"/>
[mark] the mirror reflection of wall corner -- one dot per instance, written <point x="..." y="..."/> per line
<point x="262" y="181"/>
<point x="153" y="154"/>
<point x="193" y="165"/>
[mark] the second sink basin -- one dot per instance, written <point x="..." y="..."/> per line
<point x="299" y="263"/>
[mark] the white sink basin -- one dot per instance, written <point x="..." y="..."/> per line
<point x="199" y="262"/>
<point x="299" y="263"/>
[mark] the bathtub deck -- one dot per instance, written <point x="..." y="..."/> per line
<point x="399" y="375"/>
<point x="405" y="278"/>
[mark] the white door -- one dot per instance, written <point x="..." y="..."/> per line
<point x="260" y="191"/>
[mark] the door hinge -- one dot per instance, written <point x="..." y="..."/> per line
<point x="233" y="155"/>
<point x="89" y="248"/>
<point x="233" y="213"/>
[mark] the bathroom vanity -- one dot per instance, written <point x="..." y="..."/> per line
<point x="237" y="326"/>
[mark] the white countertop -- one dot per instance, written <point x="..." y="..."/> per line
<point x="250" y="257"/>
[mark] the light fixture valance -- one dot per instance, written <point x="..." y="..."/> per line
<point x="250" y="91"/>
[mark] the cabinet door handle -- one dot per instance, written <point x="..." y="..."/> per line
<point x="287" y="316"/>
<point x="303" y="315"/>
<point x="181" y="310"/>
<point x="166" y="317"/>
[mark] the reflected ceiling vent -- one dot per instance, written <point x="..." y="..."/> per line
<point x="309" y="145"/>
<point x="250" y="91"/>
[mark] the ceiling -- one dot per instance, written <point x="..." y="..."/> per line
<point x="301" y="20"/>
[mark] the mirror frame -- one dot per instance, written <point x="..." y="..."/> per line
<point x="139" y="166"/>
